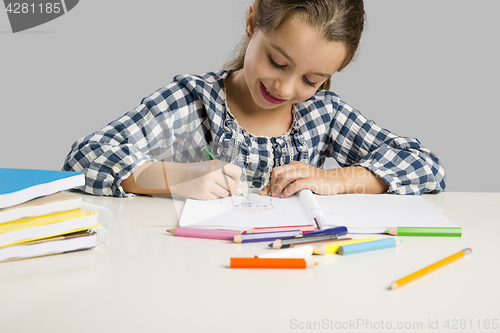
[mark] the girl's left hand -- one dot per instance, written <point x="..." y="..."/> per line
<point x="296" y="176"/>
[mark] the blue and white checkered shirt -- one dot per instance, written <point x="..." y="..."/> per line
<point x="178" y="120"/>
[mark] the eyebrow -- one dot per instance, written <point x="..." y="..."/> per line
<point x="280" y="50"/>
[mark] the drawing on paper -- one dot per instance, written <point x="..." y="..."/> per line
<point x="248" y="205"/>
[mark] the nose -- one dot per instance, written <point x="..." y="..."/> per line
<point x="284" y="86"/>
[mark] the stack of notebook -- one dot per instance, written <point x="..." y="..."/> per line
<point x="38" y="219"/>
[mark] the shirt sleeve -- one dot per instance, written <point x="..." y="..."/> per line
<point x="402" y="162"/>
<point x="111" y="154"/>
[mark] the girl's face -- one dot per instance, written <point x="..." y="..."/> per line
<point x="289" y="64"/>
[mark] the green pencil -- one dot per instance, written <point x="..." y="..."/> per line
<point x="208" y="153"/>
<point x="429" y="232"/>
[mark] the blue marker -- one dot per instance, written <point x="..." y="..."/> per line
<point x="340" y="231"/>
<point x="369" y="246"/>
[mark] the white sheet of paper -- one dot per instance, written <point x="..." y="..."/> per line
<point x="360" y="213"/>
<point x="375" y="213"/>
<point x="248" y="212"/>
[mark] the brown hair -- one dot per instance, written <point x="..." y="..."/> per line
<point x="338" y="21"/>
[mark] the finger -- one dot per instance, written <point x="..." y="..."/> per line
<point x="294" y="187"/>
<point x="231" y="185"/>
<point x="219" y="190"/>
<point x="240" y="188"/>
<point x="283" y="181"/>
<point x="232" y="171"/>
<point x="285" y="174"/>
<point x="227" y="183"/>
<point x="275" y="174"/>
<point x="277" y="183"/>
<point x="265" y="189"/>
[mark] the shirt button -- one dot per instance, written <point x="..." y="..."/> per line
<point x="118" y="192"/>
<point x="261" y="141"/>
<point x="256" y="184"/>
<point x="263" y="164"/>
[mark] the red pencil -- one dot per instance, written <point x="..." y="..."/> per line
<point x="303" y="228"/>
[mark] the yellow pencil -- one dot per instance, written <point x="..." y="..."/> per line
<point x="430" y="268"/>
<point x="334" y="247"/>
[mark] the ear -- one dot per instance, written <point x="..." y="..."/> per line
<point x="250" y="23"/>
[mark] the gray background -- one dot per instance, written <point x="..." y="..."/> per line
<point x="427" y="69"/>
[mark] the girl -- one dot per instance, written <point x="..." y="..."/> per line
<point x="268" y="116"/>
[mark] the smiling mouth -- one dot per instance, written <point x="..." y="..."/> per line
<point x="269" y="97"/>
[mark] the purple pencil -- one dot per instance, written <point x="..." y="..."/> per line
<point x="265" y="236"/>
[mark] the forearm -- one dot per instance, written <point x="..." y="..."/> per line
<point x="288" y="179"/>
<point x="357" y="180"/>
<point x="149" y="178"/>
<point x="200" y="180"/>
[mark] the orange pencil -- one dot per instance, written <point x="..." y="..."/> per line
<point x="271" y="263"/>
<point x="430" y="268"/>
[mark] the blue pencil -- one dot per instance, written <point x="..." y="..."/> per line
<point x="265" y="236"/>
<point x="340" y="231"/>
<point x="369" y="246"/>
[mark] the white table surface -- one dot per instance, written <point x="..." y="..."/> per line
<point x="146" y="280"/>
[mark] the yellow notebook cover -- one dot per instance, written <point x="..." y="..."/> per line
<point x="30" y="229"/>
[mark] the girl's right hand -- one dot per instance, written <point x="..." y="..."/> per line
<point x="204" y="180"/>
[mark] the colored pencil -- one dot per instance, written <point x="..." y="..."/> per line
<point x="331" y="248"/>
<point x="303" y="228"/>
<point x="318" y="243"/>
<point x="203" y="233"/>
<point x="300" y="251"/>
<point x="430" y="268"/>
<point x="430" y="232"/>
<point x="340" y="231"/>
<point x="265" y="236"/>
<point x="271" y="263"/>
<point x="284" y="243"/>
<point x="208" y="153"/>
<point x="368" y="246"/>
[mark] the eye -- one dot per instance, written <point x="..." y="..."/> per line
<point x="306" y="81"/>
<point x="274" y="63"/>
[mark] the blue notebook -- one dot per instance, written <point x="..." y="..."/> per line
<point x="20" y="185"/>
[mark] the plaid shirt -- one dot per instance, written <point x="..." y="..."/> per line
<point x="178" y="120"/>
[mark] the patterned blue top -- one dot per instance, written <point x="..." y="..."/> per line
<point x="178" y="120"/>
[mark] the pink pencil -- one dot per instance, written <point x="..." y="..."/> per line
<point x="203" y="233"/>
<point x="304" y="228"/>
